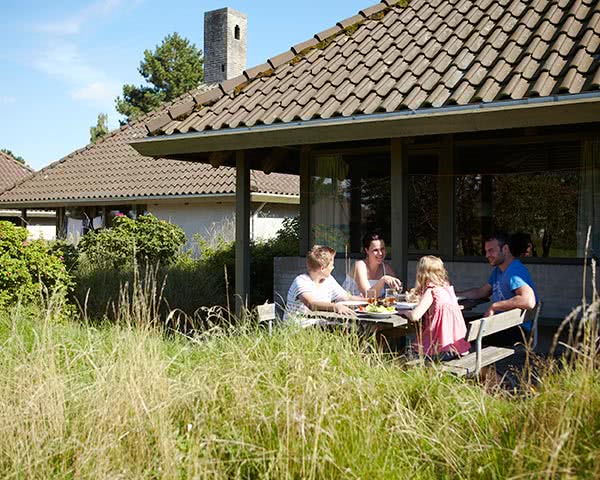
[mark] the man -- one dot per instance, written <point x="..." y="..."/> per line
<point x="510" y="284"/>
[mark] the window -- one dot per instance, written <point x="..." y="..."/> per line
<point x="423" y="198"/>
<point x="532" y="188"/>
<point x="350" y="196"/>
<point x="236" y="32"/>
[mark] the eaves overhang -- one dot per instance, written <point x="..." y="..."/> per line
<point x="81" y="202"/>
<point x="531" y="112"/>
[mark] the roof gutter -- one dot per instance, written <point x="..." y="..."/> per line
<point x="540" y="111"/>
<point x="108" y="201"/>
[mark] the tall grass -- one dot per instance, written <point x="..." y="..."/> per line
<point x="122" y="400"/>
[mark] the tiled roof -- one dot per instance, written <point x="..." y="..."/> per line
<point x="11" y="171"/>
<point x="431" y="53"/>
<point x="111" y="169"/>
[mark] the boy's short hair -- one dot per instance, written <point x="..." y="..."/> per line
<point x="319" y="256"/>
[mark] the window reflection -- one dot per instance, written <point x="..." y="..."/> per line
<point x="529" y="188"/>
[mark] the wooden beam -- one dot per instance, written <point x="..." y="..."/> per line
<point x="242" y="232"/>
<point x="24" y="221"/>
<point x="446" y="198"/>
<point x="305" y="164"/>
<point x="61" y="223"/>
<point x="399" y="208"/>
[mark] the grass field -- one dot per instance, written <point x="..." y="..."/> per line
<point x="126" y="400"/>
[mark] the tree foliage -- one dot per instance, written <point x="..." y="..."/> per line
<point x="100" y="129"/>
<point x="146" y="239"/>
<point x="29" y="268"/>
<point x="173" y="68"/>
<point x="16" y="157"/>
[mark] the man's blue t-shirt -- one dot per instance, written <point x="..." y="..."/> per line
<point x="505" y="283"/>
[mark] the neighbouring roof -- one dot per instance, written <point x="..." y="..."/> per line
<point x="11" y="171"/>
<point x="111" y="169"/>
<point x="390" y="58"/>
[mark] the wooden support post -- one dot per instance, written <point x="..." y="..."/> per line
<point x="305" y="172"/>
<point x="61" y="223"/>
<point x="355" y="210"/>
<point x="24" y="221"/>
<point x="242" y="232"/>
<point x="399" y="208"/>
<point x="446" y="198"/>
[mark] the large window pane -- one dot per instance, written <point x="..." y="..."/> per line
<point x="350" y="196"/>
<point x="528" y="188"/>
<point x="330" y="202"/>
<point x="423" y="198"/>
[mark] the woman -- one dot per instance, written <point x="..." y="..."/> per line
<point x="372" y="272"/>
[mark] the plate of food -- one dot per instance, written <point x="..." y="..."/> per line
<point x="376" y="311"/>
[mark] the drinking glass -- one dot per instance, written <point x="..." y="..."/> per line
<point x="371" y="295"/>
<point x="391" y="296"/>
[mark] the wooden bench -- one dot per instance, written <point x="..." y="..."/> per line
<point x="471" y="364"/>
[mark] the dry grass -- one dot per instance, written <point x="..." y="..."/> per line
<point x="123" y="401"/>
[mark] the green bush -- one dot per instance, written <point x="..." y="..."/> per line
<point x="189" y="282"/>
<point x="146" y="239"/>
<point x="29" y="268"/>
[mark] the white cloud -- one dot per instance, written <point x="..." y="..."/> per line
<point x="72" y="25"/>
<point x="102" y="93"/>
<point x="85" y="82"/>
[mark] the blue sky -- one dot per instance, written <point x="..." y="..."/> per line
<point x="63" y="62"/>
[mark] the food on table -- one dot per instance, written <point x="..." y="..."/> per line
<point x="374" y="308"/>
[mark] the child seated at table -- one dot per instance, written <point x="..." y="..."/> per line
<point x="316" y="289"/>
<point x="443" y="331"/>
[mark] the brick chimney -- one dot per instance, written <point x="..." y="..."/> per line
<point x="224" y="44"/>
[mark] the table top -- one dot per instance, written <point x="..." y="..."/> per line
<point x="394" y="320"/>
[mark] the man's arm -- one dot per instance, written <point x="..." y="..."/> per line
<point x="476" y="293"/>
<point x="524" y="299"/>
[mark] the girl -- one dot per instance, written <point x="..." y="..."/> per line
<point x="372" y="272"/>
<point x="444" y="330"/>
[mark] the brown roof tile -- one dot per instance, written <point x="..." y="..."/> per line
<point x="111" y="169"/>
<point x="11" y="171"/>
<point x="430" y="53"/>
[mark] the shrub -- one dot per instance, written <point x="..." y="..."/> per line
<point x="27" y="268"/>
<point x="146" y="239"/>
<point x="189" y="282"/>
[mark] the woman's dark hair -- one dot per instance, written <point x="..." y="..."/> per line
<point x="519" y="242"/>
<point x="369" y="237"/>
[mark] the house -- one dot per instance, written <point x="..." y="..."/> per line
<point x="436" y="122"/>
<point x="39" y="223"/>
<point x="88" y="187"/>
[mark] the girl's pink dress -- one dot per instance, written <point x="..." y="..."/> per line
<point x="444" y="328"/>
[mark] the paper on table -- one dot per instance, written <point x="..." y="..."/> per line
<point x="405" y="305"/>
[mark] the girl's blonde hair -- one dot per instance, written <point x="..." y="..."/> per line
<point x="430" y="270"/>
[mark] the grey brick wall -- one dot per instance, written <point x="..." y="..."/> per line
<point x="224" y="55"/>
<point x="560" y="287"/>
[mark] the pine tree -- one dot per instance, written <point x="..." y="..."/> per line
<point x="100" y="129"/>
<point x="173" y="68"/>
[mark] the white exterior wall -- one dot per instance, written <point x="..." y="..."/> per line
<point x="266" y="221"/>
<point x="42" y="228"/>
<point x="211" y="219"/>
<point x="207" y="219"/>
